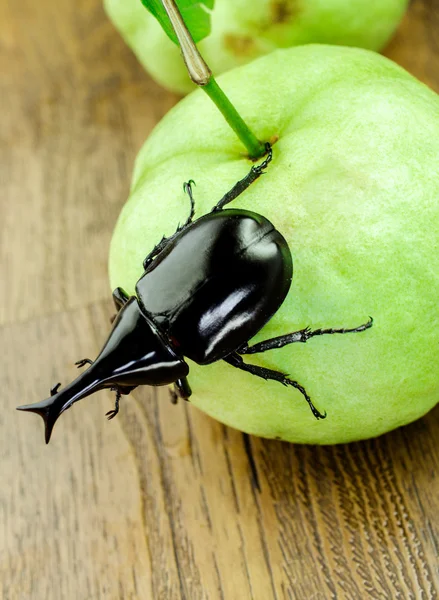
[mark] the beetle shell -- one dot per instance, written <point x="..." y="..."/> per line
<point x="217" y="283"/>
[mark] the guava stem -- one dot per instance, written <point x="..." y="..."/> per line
<point x="201" y="74"/>
<point x="255" y="147"/>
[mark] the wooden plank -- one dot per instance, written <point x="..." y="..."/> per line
<point x="165" y="503"/>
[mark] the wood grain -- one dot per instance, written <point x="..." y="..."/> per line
<point x="163" y="502"/>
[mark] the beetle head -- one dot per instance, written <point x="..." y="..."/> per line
<point x="136" y="353"/>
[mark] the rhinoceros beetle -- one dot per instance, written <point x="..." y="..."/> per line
<point x="205" y="292"/>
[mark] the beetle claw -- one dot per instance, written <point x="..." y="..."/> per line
<point x="112" y="413"/>
<point x="318" y="415"/>
<point x="187" y="186"/>
<point x="83" y="362"/>
<point x="259" y="169"/>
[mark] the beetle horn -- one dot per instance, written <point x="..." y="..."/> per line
<point x="47" y="410"/>
<point x="51" y="408"/>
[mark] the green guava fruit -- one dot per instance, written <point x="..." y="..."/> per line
<point x="354" y="188"/>
<point x="242" y="31"/>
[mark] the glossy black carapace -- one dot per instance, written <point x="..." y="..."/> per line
<point x="206" y="291"/>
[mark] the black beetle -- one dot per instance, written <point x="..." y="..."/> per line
<point x="205" y="292"/>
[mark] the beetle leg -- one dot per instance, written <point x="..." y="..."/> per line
<point x="155" y="251"/>
<point x="298" y="336"/>
<point x="244" y="183"/>
<point x="236" y="361"/>
<point x="187" y="187"/>
<point x="120" y="298"/>
<point x="83" y="362"/>
<point x="181" y="389"/>
<point x="112" y="413"/>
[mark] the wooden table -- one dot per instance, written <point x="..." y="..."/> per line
<point x="163" y="503"/>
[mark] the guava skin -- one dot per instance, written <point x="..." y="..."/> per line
<point x="244" y="30"/>
<point x="354" y="189"/>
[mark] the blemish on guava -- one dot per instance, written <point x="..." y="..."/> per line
<point x="282" y="11"/>
<point x="240" y="45"/>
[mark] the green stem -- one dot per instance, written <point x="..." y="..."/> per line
<point x="254" y="146"/>
<point x="200" y="74"/>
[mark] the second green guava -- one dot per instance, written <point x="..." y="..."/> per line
<point x="245" y="30"/>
